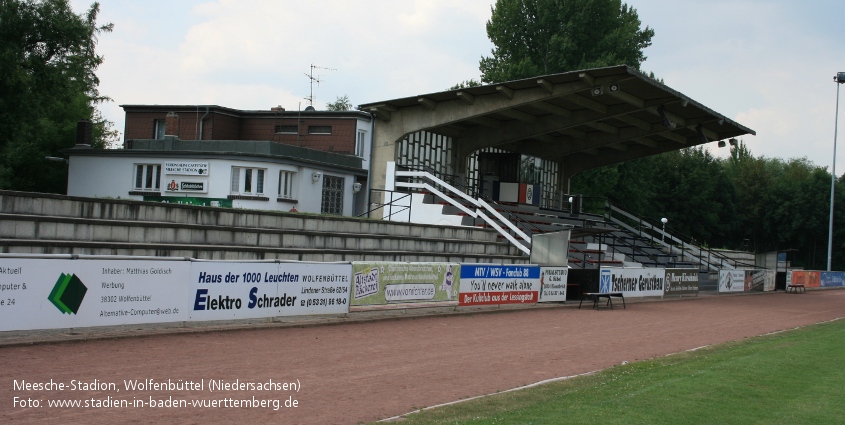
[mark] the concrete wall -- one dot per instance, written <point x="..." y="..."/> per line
<point x="56" y="224"/>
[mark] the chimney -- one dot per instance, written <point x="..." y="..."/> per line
<point x="171" y="124"/>
<point x="277" y="109"/>
<point x="83" y="132"/>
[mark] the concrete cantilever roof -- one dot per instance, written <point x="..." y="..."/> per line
<point x="582" y="119"/>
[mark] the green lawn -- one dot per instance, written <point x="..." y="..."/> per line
<point x="794" y="377"/>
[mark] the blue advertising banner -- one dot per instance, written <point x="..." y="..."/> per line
<point x="832" y="279"/>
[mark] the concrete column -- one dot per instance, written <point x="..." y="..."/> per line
<point x="386" y="138"/>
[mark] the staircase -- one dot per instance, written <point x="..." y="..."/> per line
<point x="674" y="243"/>
<point x="616" y="238"/>
<point x="423" y="186"/>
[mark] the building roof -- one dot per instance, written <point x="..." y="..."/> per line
<point x="585" y="119"/>
<point x="275" y="112"/>
<point x="248" y="149"/>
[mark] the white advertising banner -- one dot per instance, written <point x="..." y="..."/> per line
<point x="60" y="293"/>
<point x="188" y="168"/>
<point x="633" y="282"/>
<point x="769" y="285"/>
<point x="233" y="290"/>
<point x="731" y="280"/>
<point x="553" y="284"/>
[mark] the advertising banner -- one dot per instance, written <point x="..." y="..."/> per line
<point x="379" y="283"/>
<point x="769" y="282"/>
<point x="731" y="280"/>
<point x="808" y="278"/>
<point x="195" y="186"/>
<point x="553" y="284"/>
<point x="633" y="282"/>
<point x="483" y="284"/>
<point x="681" y="282"/>
<point x="235" y="290"/>
<point x="184" y="200"/>
<point x="831" y="279"/>
<point x="755" y="280"/>
<point x="62" y="293"/>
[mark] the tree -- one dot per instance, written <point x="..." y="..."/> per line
<point x="47" y="84"/>
<point x="540" y="37"/>
<point x="466" y="84"/>
<point x="340" y="104"/>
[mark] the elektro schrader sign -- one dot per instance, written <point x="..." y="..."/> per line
<point x="228" y="290"/>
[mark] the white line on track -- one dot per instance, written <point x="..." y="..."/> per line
<point x="563" y="378"/>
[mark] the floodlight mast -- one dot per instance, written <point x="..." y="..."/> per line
<point x="839" y="78"/>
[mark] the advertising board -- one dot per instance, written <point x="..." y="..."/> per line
<point x="755" y="280"/>
<point x="239" y="290"/>
<point x="378" y="283"/>
<point x="681" y="282"/>
<point x="832" y="279"/>
<point x="731" y="280"/>
<point x="553" y="284"/>
<point x="484" y="284"/>
<point x="769" y="280"/>
<point x="808" y="278"/>
<point x="633" y="282"/>
<point x="63" y="293"/>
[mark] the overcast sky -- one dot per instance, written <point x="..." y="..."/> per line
<point x="768" y="64"/>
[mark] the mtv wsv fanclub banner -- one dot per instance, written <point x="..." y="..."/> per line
<point x="483" y="284"/>
<point x="64" y="293"/>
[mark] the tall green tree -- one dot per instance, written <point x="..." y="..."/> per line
<point x="47" y="84"/>
<point x="539" y="37"/>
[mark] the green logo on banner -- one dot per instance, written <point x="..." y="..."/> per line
<point x="68" y="293"/>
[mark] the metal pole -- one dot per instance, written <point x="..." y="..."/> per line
<point x="833" y="177"/>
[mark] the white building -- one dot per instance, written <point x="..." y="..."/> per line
<point x="262" y="175"/>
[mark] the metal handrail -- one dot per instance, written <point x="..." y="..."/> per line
<point x="390" y="204"/>
<point x="455" y="181"/>
<point x="680" y="238"/>
<point x="466" y="198"/>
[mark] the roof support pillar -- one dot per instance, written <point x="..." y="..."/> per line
<point x="386" y="138"/>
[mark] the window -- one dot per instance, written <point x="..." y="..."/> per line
<point x="286" y="184"/>
<point x="147" y="177"/>
<point x="159" y="129"/>
<point x="332" y="195"/>
<point x="287" y="129"/>
<point x="247" y="181"/>
<point x="359" y="144"/>
<point x="319" y="129"/>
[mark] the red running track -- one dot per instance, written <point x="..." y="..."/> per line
<point x="363" y="372"/>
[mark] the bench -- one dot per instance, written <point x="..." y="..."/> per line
<point x="795" y="288"/>
<point x="595" y="296"/>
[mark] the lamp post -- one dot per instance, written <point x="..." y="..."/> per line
<point x="839" y="78"/>
<point x="663" y="220"/>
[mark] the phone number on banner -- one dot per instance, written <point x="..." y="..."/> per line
<point x="325" y="301"/>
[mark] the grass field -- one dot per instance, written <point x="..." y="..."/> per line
<point x="793" y="377"/>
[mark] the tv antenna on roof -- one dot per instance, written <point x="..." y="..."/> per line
<point x="311" y="77"/>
